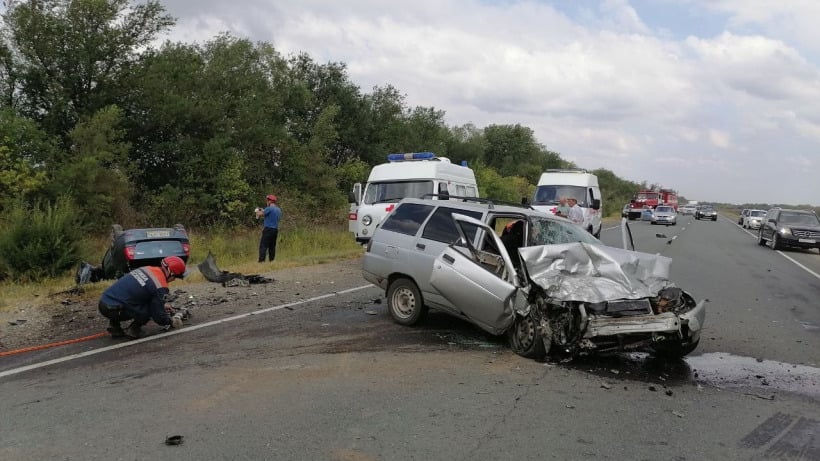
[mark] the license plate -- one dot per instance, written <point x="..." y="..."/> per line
<point x="806" y="240"/>
<point x="157" y="234"/>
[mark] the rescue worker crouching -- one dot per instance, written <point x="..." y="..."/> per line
<point x="140" y="296"/>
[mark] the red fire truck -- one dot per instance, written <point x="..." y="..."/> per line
<point x="651" y="199"/>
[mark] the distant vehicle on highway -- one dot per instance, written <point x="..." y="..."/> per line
<point x="790" y="228"/>
<point x="753" y="219"/>
<point x="687" y="209"/>
<point x="664" y="215"/>
<point x="706" y="212"/>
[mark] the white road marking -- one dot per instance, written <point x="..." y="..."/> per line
<point x="187" y="329"/>
<point x="798" y="264"/>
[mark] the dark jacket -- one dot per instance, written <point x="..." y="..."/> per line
<point x="142" y="292"/>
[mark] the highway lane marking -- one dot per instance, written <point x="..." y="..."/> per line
<point x="186" y="329"/>
<point x="796" y="263"/>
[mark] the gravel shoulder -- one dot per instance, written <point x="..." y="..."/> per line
<point x="71" y="316"/>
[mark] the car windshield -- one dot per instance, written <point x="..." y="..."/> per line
<point x="664" y="209"/>
<point x="394" y="191"/>
<point x="551" y="195"/>
<point x="757" y="213"/>
<point x="799" y="218"/>
<point x="544" y="231"/>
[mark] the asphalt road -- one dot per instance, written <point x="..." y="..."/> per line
<point x="334" y="378"/>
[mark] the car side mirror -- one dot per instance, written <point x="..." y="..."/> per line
<point x="355" y="196"/>
<point x="596" y="204"/>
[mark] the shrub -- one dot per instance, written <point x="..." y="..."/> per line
<point x="39" y="241"/>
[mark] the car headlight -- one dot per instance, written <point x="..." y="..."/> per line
<point x="367" y="220"/>
<point x="784" y="231"/>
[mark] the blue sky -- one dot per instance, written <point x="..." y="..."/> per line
<point x="719" y="99"/>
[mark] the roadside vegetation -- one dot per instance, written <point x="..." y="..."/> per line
<point x="100" y="124"/>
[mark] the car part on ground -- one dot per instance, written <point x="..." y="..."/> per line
<point x="212" y="273"/>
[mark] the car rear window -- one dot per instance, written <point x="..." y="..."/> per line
<point x="442" y="228"/>
<point x="158" y="249"/>
<point x="407" y="218"/>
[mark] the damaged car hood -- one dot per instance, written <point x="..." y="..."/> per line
<point x="595" y="273"/>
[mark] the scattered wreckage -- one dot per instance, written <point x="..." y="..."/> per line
<point x="570" y="298"/>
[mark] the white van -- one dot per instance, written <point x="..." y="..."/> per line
<point x="579" y="184"/>
<point x="405" y="175"/>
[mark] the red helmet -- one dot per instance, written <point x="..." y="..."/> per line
<point x="175" y="265"/>
<point x="271" y="198"/>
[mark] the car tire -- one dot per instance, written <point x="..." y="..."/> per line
<point x="526" y="338"/>
<point x="404" y="302"/>
<point x="714" y="219"/>
<point x="674" y="350"/>
<point x="775" y="242"/>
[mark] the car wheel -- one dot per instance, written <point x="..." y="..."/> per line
<point x="674" y="350"/>
<point x="714" y="219"/>
<point x="775" y="242"/>
<point x="527" y="339"/>
<point x="405" y="302"/>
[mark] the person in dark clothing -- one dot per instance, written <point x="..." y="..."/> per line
<point x="272" y="214"/>
<point x="140" y="296"/>
<point x="513" y="238"/>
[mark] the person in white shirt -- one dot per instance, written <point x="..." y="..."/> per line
<point x="576" y="214"/>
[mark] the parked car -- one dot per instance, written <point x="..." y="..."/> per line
<point x="753" y="219"/>
<point x="544" y="282"/>
<point x="134" y="248"/>
<point x="790" y="228"/>
<point x="664" y="215"/>
<point x="706" y="212"/>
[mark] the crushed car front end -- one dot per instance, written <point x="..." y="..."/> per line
<point x="593" y="298"/>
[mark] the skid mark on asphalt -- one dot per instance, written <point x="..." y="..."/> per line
<point x="787" y="436"/>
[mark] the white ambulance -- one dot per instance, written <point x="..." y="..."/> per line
<point x="578" y="184"/>
<point x="405" y="175"/>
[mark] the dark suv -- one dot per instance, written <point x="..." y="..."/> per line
<point x="790" y="228"/>
<point x="706" y="212"/>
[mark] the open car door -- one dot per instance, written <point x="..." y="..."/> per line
<point x="480" y="284"/>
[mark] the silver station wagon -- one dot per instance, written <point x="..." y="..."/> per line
<point x="544" y="282"/>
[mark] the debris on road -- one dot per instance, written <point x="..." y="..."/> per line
<point x="211" y="272"/>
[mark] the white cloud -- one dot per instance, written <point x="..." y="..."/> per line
<point x="608" y="92"/>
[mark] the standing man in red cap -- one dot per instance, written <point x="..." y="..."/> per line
<point x="272" y="214"/>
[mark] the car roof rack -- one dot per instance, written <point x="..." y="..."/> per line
<point x="490" y="202"/>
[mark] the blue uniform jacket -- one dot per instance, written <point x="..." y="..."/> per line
<point x="142" y="292"/>
<point x="272" y="215"/>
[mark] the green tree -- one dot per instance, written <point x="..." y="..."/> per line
<point x="94" y="172"/>
<point x="71" y="55"/>
<point x="513" y="151"/>
<point x="23" y="150"/>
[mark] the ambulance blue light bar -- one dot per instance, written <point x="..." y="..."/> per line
<point x="411" y="156"/>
